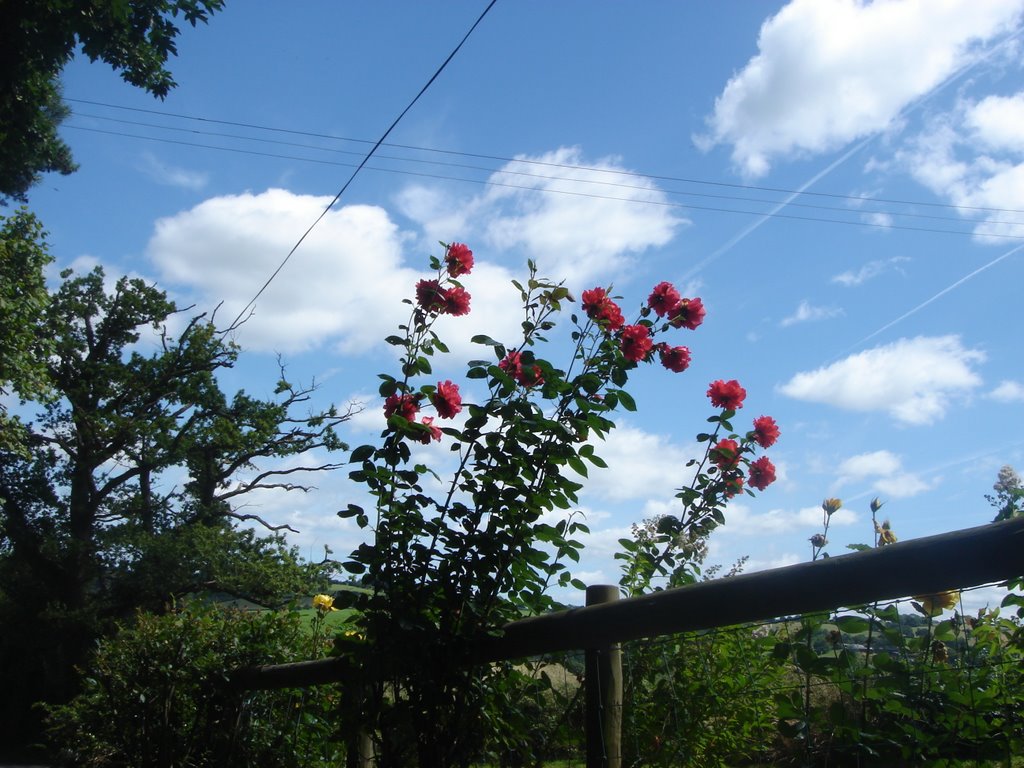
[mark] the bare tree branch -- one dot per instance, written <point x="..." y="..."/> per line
<point x="261" y="521"/>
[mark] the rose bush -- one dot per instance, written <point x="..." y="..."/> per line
<point x="452" y="560"/>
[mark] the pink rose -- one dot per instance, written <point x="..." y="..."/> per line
<point x="406" y="406"/>
<point x="727" y="394"/>
<point x="766" y="431"/>
<point x="459" y="259"/>
<point x="663" y="298"/>
<point x="433" y="433"/>
<point x="447" y="399"/>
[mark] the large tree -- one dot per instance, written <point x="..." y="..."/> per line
<point x="23" y="300"/>
<point x="124" y="495"/>
<point x="135" y="37"/>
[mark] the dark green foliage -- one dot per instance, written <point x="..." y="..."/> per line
<point x="23" y="301"/>
<point x="154" y="695"/>
<point x="135" y="37"/>
<point x="891" y="695"/>
<point x="701" y="699"/>
<point x="97" y="515"/>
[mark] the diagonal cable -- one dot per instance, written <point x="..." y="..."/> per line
<point x="365" y="160"/>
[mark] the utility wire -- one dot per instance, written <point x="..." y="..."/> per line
<point x="575" y="193"/>
<point x="504" y="171"/>
<point x="568" y="166"/>
<point x="366" y="159"/>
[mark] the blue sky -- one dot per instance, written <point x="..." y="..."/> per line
<point x="841" y="182"/>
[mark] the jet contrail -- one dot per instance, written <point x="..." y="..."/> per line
<point x="938" y="295"/>
<point x="765" y="217"/>
<point x="742" y="235"/>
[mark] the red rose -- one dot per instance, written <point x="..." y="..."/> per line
<point x="530" y="377"/>
<point x="594" y="301"/>
<point x="733" y="485"/>
<point x="459" y="259"/>
<point x="726" y="454"/>
<point x="688" y="313"/>
<point x="599" y="306"/>
<point x="406" y="406"/>
<point x="727" y="394"/>
<point x="433" y="433"/>
<point x="612" y="317"/>
<point x="636" y="342"/>
<point x="512" y="365"/>
<point x="674" y="358"/>
<point x="430" y="295"/>
<point x="766" y="431"/>
<point x="762" y="473"/>
<point x="447" y="399"/>
<point x="663" y="298"/>
<point x="456" y="301"/>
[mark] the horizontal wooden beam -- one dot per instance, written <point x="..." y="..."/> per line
<point x="965" y="558"/>
<point x="960" y="559"/>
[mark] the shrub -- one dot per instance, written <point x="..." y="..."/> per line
<point x="155" y="695"/>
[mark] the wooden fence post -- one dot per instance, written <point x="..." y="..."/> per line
<point x="603" y="681"/>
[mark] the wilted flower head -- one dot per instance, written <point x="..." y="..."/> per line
<point x="818" y="540"/>
<point x="875" y="505"/>
<point x="831" y="506"/>
<point x="885" y="534"/>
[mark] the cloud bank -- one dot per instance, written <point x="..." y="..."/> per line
<point x="913" y="380"/>
<point x="832" y="71"/>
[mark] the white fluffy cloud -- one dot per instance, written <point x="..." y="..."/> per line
<point x="344" y="283"/>
<point x="973" y="156"/>
<point x="577" y="223"/>
<point x="1008" y="392"/>
<point x="741" y="520"/>
<point x="913" y="380"/>
<point x="343" y="287"/>
<point x="884" y="471"/>
<point x="831" y="71"/>
<point x="641" y="465"/>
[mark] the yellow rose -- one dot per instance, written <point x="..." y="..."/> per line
<point x="324" y="603"/>
<point x="939" y="602"/>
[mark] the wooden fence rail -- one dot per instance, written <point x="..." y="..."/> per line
<point x="960" y="559"/>
<point x="955" y="560"/>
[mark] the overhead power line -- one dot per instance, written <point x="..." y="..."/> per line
<point x="859" y="199"/>
<point x="366" y="159"/>
<point x="493" y="170"/>
<point x="575" y="193"/>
